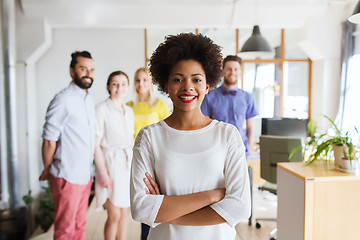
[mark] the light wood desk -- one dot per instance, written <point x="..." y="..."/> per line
<point x="317" y="202"/>
<point x="255" y="165"/>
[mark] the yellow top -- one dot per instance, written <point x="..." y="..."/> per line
<point x="146" y="115"/>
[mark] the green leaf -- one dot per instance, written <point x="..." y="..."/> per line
<point x="294" y="151"/>
<point x="28" y="199"/>
<point x="338" y="132"/>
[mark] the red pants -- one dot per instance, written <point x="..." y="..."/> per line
<point x="71" y="204"/>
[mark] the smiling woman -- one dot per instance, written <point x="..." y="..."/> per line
<point x="194" y="189"/>
<point x="147" y="107"/>
<point x="187" y="85"/>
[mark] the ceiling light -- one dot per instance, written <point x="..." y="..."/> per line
<point x="256" y="45"/>
<point x="355" y="17"/>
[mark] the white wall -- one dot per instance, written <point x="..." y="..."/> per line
<point x="322" y="43"/>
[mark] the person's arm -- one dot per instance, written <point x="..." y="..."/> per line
<point x="101" y="172"/>
<point x="153" y="209"/>
<point x="250" y="133"/>
<point x="251" y="112"/>
<point x="48" y="150"/>
<point x="201" y="217"/>
<point x="54" y="121"/>
<point x="174" y="207"/>
<point x="236" y="205"/>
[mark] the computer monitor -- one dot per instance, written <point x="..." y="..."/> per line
<point x="289" y="127"/>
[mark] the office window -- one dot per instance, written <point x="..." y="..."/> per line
<point x="260" y="82"/>
<point x="351" y="115"/>
<point x="295" y="92"/>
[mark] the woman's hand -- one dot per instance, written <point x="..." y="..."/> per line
<point x="152" y="187"/>
<point x="104" y="179"/>
<point x="102" y="175"/>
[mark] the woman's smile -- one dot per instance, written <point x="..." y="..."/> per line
<point x="187" y="85"/>
<point x="187" y="98"/>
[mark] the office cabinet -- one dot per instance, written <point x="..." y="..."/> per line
<point x="317" y="202"/>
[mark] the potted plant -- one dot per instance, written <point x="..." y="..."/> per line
<point x="28" y="200"/>
<point x="46" y="213"/>
<point x="328" y="146"/>
<point x="349" y="161"/>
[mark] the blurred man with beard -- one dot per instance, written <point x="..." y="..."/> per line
<point x="230" y="104"/>
<point x="68" y="149"/>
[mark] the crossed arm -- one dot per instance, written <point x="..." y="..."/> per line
<point x="191" y="209"/>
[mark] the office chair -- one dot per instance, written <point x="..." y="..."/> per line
<point x="274" y="149"/>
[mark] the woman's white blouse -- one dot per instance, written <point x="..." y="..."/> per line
<point x="184" y="162"/>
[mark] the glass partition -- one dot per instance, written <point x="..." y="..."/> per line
<point x="259" y="80"/>
<point x="295" y="89"/>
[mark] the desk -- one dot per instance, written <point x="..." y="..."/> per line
<point x="317" y="202"/>
<point x="255" y="165"/>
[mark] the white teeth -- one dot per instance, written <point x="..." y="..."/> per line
<point x="187" y="97"/>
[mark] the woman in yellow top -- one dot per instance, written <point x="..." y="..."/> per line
<point x="148" y="108"/>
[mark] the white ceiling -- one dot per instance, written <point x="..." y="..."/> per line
<point x="178" y="13"/>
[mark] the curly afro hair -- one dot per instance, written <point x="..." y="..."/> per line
<point x="186" y="46"/>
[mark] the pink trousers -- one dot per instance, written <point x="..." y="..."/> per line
<point x="71" y="204"/>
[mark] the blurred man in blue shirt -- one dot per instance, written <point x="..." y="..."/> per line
<point x="68" y="149"/>
<point x="230" y="104"/>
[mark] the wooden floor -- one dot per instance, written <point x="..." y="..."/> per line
<point x="264" y="206"/>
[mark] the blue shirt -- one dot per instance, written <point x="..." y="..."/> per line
<point x="230" y="108"/>
<point x="70" y="122"/>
